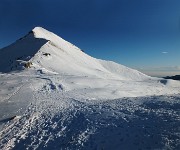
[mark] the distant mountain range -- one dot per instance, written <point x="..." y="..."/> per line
<point x="176" y="77"/>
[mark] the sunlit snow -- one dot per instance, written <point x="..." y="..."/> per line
<point x="54" y="96"/>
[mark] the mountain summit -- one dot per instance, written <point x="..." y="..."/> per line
<point x="43" y="50"/>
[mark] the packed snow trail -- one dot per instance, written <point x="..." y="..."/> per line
<point x="55" y="120"/>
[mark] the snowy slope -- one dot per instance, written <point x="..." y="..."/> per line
<point x="70" y="100"/>
<point x="49" y="117"/>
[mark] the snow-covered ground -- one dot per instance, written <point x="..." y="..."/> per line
<point x="69" y="100"/>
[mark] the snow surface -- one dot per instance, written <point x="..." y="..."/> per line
<point x="70" y="100"/>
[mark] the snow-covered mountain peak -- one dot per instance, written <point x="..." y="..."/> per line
<point x="39" y="29"/>
<point x="44" y="50"/>
<point x="40" y="32"/>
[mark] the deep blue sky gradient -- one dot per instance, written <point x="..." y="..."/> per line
<point x="131" y="32"/>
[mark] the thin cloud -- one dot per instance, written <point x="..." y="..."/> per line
<point x="164" y="52"/>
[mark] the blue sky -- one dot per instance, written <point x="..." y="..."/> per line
<point x="142" y="34"/>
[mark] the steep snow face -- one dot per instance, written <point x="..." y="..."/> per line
<point x="48" y="51"/>
<point x="22" y="50"/>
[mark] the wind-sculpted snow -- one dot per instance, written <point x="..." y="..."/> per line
<point x="57" y="117"/>
<point x="113" y="124"/>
